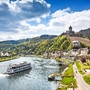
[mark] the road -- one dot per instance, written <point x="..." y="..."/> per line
<point x="82" y="85"/>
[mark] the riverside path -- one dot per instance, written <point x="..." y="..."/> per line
<point x="82" y="85"/>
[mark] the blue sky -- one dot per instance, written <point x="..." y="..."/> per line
<point x="20" y="19"/>
<point x="75" y="5"/>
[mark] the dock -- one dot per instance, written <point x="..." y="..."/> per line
<point x="55" y="77"/>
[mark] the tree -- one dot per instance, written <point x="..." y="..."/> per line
<point x="83" y="60"/>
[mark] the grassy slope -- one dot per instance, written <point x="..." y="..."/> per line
<point x="80" y="67"/>
<point x="87" y="78"/>
<point x="68" y="79"/>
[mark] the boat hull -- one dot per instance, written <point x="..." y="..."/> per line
<point x="18" y="71"/>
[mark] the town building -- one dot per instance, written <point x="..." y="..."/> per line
<point x="4" y="54"/>
<point x="53" y="54"/>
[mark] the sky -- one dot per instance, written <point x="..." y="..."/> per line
<point x="21" y="19"/>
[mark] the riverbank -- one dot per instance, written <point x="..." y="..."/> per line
<point x="84" y="70"/>
<point x="67" y="79"/>
<point x="2" y="59"/>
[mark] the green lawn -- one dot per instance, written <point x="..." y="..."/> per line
<point x="68" y="78"/>
<point x="80" y="67"/>
<point x="69" y="71"/>
<point x="87" y="79"/>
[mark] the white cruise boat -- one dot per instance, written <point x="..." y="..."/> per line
<point x="15" y="68"/>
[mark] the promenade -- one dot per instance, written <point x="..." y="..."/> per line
<point x="82" y="85"/>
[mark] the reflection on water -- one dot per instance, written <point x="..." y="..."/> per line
<point x="34" y="79"/>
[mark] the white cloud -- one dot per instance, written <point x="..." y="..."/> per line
<point x="15" y="15"/>
<point x="64" y="18"/>
<point x="61" y="13"/>
<point x="16" y="18"/>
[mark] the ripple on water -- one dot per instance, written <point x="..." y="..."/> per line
<point x="34" y="79"/>
<point x="3" y="75"/>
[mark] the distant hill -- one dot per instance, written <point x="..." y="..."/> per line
<point x="48" y="36"/>
<point x="14" y="41"/>
<point x="85" y="33"/>
<point x="4" y="45"/>
<point x="42" y="37"/>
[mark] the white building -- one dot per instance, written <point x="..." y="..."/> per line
<point x="2" y="54"/>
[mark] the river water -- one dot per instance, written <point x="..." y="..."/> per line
<point x="34" y="79"/>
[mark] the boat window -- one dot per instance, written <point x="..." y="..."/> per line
<point x="13" y="67"/>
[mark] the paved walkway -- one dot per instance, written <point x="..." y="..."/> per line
<point x="82" y="85"/>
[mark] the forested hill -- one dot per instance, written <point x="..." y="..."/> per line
<point x="14" y="41"/>
<point x="85" y="33"/>
<point x="42" y="37"/>
<point x="4" y="45"/>
<point x="39" y="46"/>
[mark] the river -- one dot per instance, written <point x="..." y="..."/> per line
<point x="34" y="79"/>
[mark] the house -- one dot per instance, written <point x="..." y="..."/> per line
<point x="84" y="51"/>
<point x="53" y="54"/>
<point x="4" y="54"/>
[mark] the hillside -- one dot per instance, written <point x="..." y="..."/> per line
<point x="12" y="44"/>
<point x="44" y="43"/>
<point x="6" y="45"/>
<point x="80" y="39"/>
<point x="40" y="46"/>
<point x="85" y="33"/>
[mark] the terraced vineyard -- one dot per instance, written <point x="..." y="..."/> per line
<point x="83" y="40"/>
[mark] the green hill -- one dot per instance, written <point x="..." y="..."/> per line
<point x="5" y="45"/>
<point x="42" y="44"/>
<point x="12" y="42"/>
<point x="39" y="46"/>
